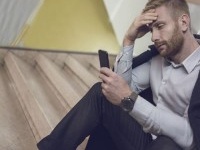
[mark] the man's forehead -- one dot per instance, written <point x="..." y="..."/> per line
<point x="163" y="11"/>
<point x="163" y="14"/>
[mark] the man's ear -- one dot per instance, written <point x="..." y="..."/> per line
<point x="184" y="22"/>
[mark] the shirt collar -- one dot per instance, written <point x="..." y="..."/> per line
<point x="190" y="62"/>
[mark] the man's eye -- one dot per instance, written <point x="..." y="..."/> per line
<point x="160" y="26"/>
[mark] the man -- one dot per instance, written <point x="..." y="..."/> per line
<point x="115" y="104"/>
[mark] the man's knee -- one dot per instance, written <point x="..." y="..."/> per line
<point x="94" y="95"/>
<point x="96" y="90"/>
<point x="96" y="86"/>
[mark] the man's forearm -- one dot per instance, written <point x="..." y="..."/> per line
<point x="128" y="42"/>
<point x="123" y="64"/>
<point x="162" y="122"/>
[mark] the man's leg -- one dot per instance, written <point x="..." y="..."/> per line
<point x="124" y="130"/>
<point x="93" y="110"/>
<point x="100" y="140"/>
<point x="163" y="143"/>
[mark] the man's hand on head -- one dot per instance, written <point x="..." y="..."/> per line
<point x="139" y="27"/>
<point x="114" y="87"/>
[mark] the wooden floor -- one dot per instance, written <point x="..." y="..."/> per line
<point x="37" y="90"/>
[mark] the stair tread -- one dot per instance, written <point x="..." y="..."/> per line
<point x="34" y="115"/>
<point x="80" y="71"/>
<point x="13" y="124"/>
<point x="58" y="81"/>
<point x="53" y="110"/>
<point x="54" y="81"/>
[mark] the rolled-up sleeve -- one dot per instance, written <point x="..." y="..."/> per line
<point x="137" y="78"/>
<point x="123" y="63"/>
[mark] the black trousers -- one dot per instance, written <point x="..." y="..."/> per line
<point x="94" y="111"/>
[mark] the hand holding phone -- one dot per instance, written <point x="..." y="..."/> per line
<point x="103" y="58"/>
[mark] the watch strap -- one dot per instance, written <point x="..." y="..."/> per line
<point x="133" y="96"/>
<point x="127" y="103"/>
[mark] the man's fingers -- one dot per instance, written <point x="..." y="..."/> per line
<point x="103" y="77"/>
<point x="106" y="71"/>
<point x="150" y="10"/>
<point x="150" y="16"/>
<point x="105" y="74"/>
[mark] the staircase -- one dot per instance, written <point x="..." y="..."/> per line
<point x="38" y="88"/>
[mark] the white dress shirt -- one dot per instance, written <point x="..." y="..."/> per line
<point x="172" y="85"/>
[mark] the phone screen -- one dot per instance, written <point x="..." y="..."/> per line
<point x="103" y="58"/>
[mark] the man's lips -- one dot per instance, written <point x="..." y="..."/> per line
<point x="159" y="46"/>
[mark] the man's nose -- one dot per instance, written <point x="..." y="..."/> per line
<point x="155" y="35"/>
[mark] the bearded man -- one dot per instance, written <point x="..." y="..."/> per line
<point x="115" y="104"/>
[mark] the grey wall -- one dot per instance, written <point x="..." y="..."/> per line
<point x="14" y="14"/>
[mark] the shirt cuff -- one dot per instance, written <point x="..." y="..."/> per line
<point x="127" y="48"/>
<point x="127" y="53"/>
<point x="142" y="110"/>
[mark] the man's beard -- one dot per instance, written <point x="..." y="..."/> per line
<point x="174" y="44"/>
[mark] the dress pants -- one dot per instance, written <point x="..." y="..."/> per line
<point x="92" y="111"/>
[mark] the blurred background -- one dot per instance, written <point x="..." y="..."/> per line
<point x="74" y="25"/>
<point x="48" y="59"/>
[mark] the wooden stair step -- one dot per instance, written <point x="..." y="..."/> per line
<point x="90" y="62"/>
<point x="80" y="71"/>
<point x="14" y="125"/>
<point x="32" y="110"/>
<point x="67" y="96"/>
<point x="47" y="67"/>
<point x="39" y="86"/>
<point x="75" y="82"/>
<point x="3" y="52"/>
<point x="47" y="85"/>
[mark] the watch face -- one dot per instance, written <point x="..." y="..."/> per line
<point x="127" y="104"/>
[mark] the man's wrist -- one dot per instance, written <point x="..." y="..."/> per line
<point x="128" y="41"/>
<point x="127" y="103"/>
<point x="133" y="96"/>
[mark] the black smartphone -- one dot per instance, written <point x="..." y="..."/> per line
<point x="103" y="58"/>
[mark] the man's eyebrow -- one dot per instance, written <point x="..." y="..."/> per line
<point x="156" y="23"/>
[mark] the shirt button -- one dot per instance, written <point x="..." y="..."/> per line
<point x="164" y="82"/>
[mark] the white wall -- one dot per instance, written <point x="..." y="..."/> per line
<point x="195" y="17"/>
<point x="123" y="12"/>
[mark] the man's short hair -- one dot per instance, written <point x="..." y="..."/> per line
<point x="176" y="7"/>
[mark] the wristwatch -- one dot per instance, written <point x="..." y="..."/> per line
<point x="127" y="103"/>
